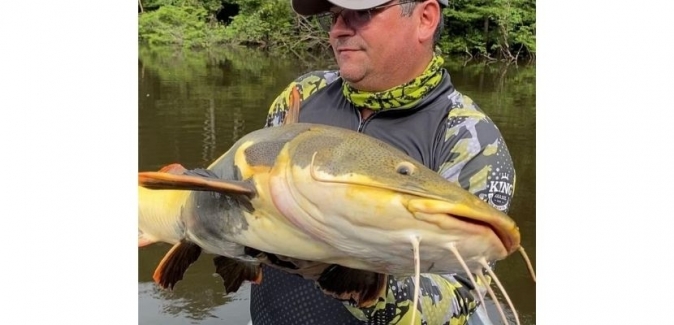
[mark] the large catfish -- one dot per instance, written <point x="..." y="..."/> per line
<point x="328" y="204"/>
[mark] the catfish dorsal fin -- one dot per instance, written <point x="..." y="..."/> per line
<point x="234" y="272"/>
<point x="358" y="286"/>
<point x="195" y="180"/>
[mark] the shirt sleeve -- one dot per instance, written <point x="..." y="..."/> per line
<point x="306" y="85"/>
<point x="475" y="157"/>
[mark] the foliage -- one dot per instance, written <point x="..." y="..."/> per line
<point x="211" y="6"/>
<point x="503" y="28"/>
<point x="183" y="25"/>
<point x="491" y="29"/>
<point x="260" y="22"/>
<point x="272" y="24"/>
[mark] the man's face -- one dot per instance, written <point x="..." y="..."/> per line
<point x="373" y="49"/>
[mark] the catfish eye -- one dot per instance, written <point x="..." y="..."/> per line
<point x="405" y="168"/>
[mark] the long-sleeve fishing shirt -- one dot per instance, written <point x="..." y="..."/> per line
<point x="444" y="130"/>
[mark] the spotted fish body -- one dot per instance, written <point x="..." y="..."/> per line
<point x="316" y="193"/>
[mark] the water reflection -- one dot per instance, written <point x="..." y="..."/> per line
<point x="192" y="107"/>
<point x="198" y="299"/>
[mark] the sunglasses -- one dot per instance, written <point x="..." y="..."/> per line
<point x="353" y="18"/>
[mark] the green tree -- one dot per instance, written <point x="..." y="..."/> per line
<point x="492" y="29"/>
<point x="502" y="28"/>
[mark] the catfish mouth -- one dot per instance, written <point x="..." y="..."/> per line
<point x="506" y="239"/>
<point x="465" y="216"/>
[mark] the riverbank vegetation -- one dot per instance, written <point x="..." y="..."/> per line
<point x="486" y="29"/>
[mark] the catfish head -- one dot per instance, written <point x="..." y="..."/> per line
<point x="369" y="200"/>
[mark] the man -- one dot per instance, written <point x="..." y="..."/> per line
<point x="390" y="85"/>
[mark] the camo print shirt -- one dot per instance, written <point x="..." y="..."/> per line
<point x="447" y="132"/>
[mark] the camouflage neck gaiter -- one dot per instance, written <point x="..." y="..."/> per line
<point x="403" y="96"/>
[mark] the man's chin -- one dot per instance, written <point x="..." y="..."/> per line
<point x="351" y="75"/>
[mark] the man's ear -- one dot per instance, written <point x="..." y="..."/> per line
<point x="430" y="14"/>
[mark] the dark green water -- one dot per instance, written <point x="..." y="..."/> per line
<point x="192" y="107"/>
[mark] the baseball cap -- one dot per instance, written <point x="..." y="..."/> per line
<point x="312" y="7"/>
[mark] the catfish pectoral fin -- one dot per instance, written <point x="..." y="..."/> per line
<point x="234" y="272"/>
<point x="171" y="181"/>
<point x="174" y="264"/>
<point x="347" y="284"/>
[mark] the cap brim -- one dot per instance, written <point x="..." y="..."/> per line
<point x="312" y="7"/>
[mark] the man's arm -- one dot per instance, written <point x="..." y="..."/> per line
<point x="476" y="156"/>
